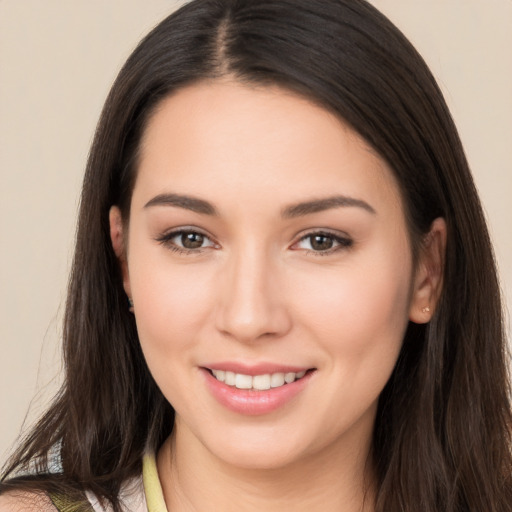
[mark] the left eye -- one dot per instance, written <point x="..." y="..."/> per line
<point x="323" y="242"/>
<point x="187" y="240"/>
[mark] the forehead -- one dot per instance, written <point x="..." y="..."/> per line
<point x="219" y="135"/>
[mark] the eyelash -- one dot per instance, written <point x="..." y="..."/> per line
<point x="166" y="240"/>
<point x="343" y="242"/>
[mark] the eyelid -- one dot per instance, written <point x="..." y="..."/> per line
<point x="166" y="237"/>
<point x="344" y="241"/>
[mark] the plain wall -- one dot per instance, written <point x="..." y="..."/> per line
<point x="57" y="61"/>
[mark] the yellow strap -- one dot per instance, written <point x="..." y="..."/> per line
<point x="152" y="488"/>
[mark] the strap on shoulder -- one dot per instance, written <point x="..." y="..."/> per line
<point x="63" y="504"/>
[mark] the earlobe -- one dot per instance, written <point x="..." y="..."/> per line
<point x="118" y="244"/>
<point x="428" y="279"/>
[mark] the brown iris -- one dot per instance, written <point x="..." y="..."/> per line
<point x="192" y="240"/>
<point x="321" y="242"/>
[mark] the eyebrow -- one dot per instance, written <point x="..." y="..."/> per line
<point x="295" y="210"/>
<point x="320" y="205"/>
<point x="182" y="201"/>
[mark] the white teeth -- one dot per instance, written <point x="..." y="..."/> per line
<point x="219" y="375"/>
<point x="258" y="382"/>
<point x="261" y="382"/>
<point x="243" y="381"/>
<point x="289" y="377"/>
<point x="276" y="380"/>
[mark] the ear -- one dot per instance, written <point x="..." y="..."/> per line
<point x="428" y="278"/>
<point x="117" y="238"/>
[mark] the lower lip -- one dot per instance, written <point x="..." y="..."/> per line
<point x="252" y="402"/>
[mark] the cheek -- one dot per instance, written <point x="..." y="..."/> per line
<point x="360" y="311"/>
<point x="171" y="310"/>
<point x="357" y="318"/>
<point x="172" y="302"/>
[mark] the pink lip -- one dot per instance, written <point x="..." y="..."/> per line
<point x="254" y="369"/>
<point x="251" y="402"/>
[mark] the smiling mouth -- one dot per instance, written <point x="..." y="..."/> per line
<point x="257" y="382"/>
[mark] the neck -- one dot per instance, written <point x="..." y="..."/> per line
<point x="193" y="480"/>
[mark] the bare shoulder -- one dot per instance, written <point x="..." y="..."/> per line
<point x="16" y="501"/>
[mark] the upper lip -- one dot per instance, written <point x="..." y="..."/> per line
<point x="255" y="369"/>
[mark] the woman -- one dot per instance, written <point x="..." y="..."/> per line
<point x="283" y="293"/>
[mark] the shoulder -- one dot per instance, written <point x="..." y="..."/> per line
<point x="17" y="501"/>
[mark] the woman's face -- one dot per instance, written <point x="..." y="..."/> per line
<point x="267" y="244"/>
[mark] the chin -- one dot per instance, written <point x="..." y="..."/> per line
<point x="267" y="459"/>
<point x="263" y="448"/>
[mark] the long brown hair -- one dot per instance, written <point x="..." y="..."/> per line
<point x="442" y="437"/>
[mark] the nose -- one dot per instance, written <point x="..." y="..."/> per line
<point x="252" y="302"/>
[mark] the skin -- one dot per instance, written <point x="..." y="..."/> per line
<point x="25" y="502"/>
<point x="259" y="290"/>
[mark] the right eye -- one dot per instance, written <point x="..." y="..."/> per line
<point x="186" y="241"/>
<point x="323" y="243"/>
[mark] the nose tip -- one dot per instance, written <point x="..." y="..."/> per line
<point x="252" y="305"/>
<point x="247" y="330"/>
<point x="251" y="321"/>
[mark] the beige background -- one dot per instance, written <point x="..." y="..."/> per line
<point x="57" y="61"/>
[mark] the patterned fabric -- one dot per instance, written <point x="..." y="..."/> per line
<point x="141" y="494"/>
<point x="64" y="504"/>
